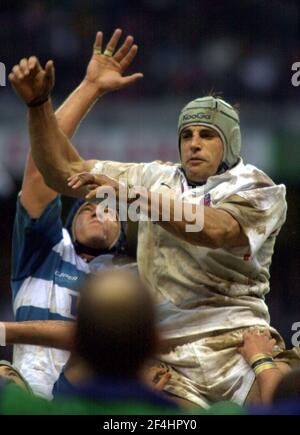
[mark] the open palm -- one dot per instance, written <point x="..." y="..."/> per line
<point x="106" y="71"/>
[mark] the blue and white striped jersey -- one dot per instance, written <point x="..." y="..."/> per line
<point x="46" y="277"/>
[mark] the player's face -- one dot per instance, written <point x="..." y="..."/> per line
<point x="93" y="232"/>
<point x="9" y="374"/>
<point x="201" y="152"/>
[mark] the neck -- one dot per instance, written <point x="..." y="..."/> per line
<point x="221" y="169"/>
<point x="86" y="252"/>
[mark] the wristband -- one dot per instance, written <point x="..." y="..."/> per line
<point x="257" y="357"/>
<point x="2" y="334"/>
<point x="264" y="366"/>
<point x="38" y="102"/>
<point x="261" y="361"/>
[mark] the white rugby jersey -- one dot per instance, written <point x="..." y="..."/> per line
<point x="199" y="290"/>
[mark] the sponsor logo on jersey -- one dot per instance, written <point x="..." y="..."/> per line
<point x="66" y="276"/>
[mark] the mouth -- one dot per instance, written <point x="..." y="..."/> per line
<point x="196" y="160"/>
<point x="95" y="221"/>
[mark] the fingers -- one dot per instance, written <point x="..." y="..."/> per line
<point x="124" y="49"/>
<point x="273" y="342"/>
<point x="92" y="194"/>
<point x="92" y="186"/>
<point x="11" y="77"/>
<point x="163" y="380"/>
<point x="17" y="73"/>
<point x="76" y="176"/>
<point x="23" y="64"/>
<point x="114" y="40"/>
<point x="266" y="332"/>
<point x="34" y="64"/>
<point x="80" y="180"/>
<point x="129" y="80"/>
<point x="49" y="68"/>
<point x="98" y="193"/>
<point x="98" y="42"/>
<point x="24" y="68"/>
<point x="128" y="58"/>
<point x="155" y="372"/>
<point x="50" y="73"/>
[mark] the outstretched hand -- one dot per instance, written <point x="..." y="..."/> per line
<point x="31" y="82"/>
<point x="93" y="183"/>
<point x="106" y="70"/>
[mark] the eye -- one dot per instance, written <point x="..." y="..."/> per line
<point x="206" y="134"/>
<point x="186" y="134"/>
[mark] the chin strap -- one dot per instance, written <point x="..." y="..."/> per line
<point x="222" y="168"/>
<point x="83" y="249"/>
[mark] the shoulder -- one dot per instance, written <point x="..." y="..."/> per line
<point x="158" y="170"/>
<point x="248" y="185"/>
<point x="248" y="173"/>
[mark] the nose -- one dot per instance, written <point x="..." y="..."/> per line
<point x="196" y="142"/>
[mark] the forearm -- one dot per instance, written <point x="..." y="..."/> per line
<point x="195" y="224"/>
<point x="267" y="382"/>
<point x="53" y="153"/>
<point x="204" y="227"/>
<point x="48" y="333"/>
<point x="77" y="105"/>
<point x="35" y="193"/>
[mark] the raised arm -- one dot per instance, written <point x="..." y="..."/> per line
<point x="53" y="153"/>
<point x="35" y="194"/>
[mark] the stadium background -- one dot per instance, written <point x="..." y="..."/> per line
<point x="245" y="49"/>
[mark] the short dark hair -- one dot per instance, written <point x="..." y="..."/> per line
<point x="115" y="325"/>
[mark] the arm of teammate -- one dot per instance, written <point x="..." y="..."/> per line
<point x="48" y="333"/>
<point x="212" y="228"/>
<point x="52" y="151"/>
<point x="255" y="343"/>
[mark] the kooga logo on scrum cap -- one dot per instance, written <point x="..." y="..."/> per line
<point x="196" y="116"/>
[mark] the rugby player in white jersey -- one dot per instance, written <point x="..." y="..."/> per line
<point x="210" y="284"/>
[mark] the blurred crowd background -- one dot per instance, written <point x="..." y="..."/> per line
<point x="243" y="49"/>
